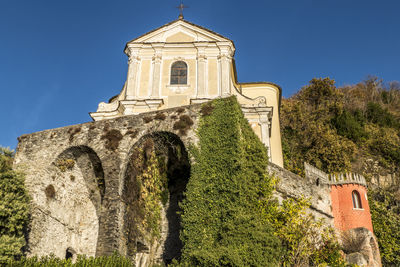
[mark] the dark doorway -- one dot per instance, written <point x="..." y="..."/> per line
<point x="174" y="169"/>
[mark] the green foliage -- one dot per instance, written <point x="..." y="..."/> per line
<point x="221" y="221"/>
<point x="6" y="158"/>
<point x="328" y="127"/>
<point x="153" y="190"/>
<point x="308" y="134"/>
<point x="10" y="247"/>
<point x="350" y="125"/>
<point x="65" y="164"/>
<point x="375" y="113"/>
<point x="306" y="240"/>
<point x="362" y="120"/>
<point x="385" y="143"/>
<point x="385" y="213"/>
<point x="14" y="212"/>
<point x="82" y="261"/>
<point x="320" y="93"/>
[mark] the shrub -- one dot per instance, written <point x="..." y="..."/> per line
<point x="14" y="212"/>
<point x="307" y="241"/>
<point x="386" y="224"/>
<point x="51" y="261"/>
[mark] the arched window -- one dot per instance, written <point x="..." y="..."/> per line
<point x="356" y="200"/>
<point x="179" y="73"/>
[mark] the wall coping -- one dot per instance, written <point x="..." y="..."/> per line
<point x="335" y="178"/>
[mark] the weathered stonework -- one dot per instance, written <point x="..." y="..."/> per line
<point x="294" y="186"/>
<point x="86" y="211"/>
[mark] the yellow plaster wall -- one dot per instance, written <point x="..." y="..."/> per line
<point x="256" y="128"/>
<point x="179" y="37"/>
<point x="174" y="99"/>
<point x="212" y="77"/>
<point x="272" y="95"/>
<point x="144" y="78"/>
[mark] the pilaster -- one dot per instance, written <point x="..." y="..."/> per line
<point x="225" y="58"/>
<point x="156" y="75"/>
<point x="133" y="70"/>
<point x="263" y="116"/>
<point x="201" y="91"/>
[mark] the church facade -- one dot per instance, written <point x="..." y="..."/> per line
<point x="181" y="64"/>
<point x="82" y="178"/>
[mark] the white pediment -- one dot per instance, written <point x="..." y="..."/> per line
<point x="180" y="31"/>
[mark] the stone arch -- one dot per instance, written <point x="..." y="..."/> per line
<point x="74" y="203"/>
<point x="167" y="154"/>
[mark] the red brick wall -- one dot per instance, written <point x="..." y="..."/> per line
<point x="345" y="216"/>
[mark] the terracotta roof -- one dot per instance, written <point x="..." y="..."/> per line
<point x="195" y="25"/>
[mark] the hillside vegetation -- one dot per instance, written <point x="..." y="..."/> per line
<point x="352" y="128"/>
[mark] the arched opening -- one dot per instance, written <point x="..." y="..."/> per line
<point x="356" y="200"/>
<point x="70" y="254"/>
<point x="74" y="194"/>
<point x="155" y="179"/>
<point x="179" y="73"/>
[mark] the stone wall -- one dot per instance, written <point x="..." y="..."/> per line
<point x="294" y="186"/>
<point x="75" y="174"/>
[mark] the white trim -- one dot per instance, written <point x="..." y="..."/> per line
<point x="138" y="78"/>
<point x="161" y="75"/>
<point x="150" y="85"/>
<point x="219" y="76"/>
<point x="183" y="26"/>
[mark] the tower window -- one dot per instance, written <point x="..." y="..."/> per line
<point x="179" y="73"/>
<point x="356" y="200"/>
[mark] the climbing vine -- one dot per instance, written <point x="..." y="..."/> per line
<point x="150" y="192"/>
<point x="221" y="221"/>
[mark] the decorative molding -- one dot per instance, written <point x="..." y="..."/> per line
<point x="178" y="88"/>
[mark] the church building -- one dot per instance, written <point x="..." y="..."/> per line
<point x="181" y="64"/>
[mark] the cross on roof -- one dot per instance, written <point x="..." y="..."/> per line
<point x="181" y="7"/>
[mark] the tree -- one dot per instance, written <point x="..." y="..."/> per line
<point x="307" y="241"/>
<point x="14" y="212"/>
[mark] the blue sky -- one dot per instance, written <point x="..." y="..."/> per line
<point x="59" y="58"/>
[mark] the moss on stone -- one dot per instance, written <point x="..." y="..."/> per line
<point x="112" y="137"/>
<point x="65" y="164"/>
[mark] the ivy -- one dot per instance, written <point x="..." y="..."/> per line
<point x="221" y="221"/>
<point x="153" y="189"/>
